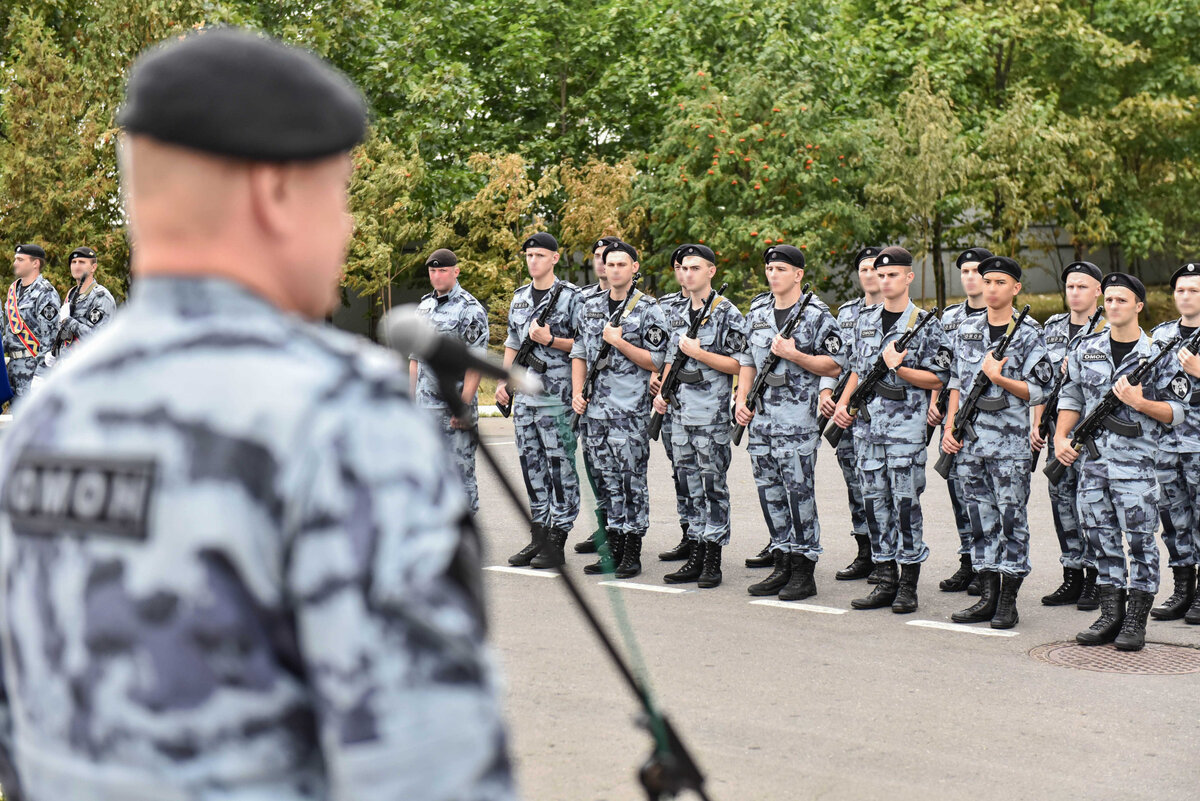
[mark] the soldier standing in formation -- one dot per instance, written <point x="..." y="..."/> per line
<point x="31" y="312"/>
<point x="89" y="306"/>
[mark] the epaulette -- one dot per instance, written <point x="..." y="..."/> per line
<point x="522" y="286"/>
<point x="850" y="304"/>
<point x="1030" y="321"/>
<point x="1054" y="318"/>
<point x="759" y="298"/>
<point x="1103" y="331"/>
<point x="952" y="306"/>
<point x="428" y="296"/>
<point x="1165" y="324"/>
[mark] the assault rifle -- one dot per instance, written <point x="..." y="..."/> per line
<point x="1050" y="407"/>
<point x="618" y="317"/>
<point x="525" y="357"/>
<point x="679" y="361"/>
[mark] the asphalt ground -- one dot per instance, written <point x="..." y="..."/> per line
<point x="816" y="700"/>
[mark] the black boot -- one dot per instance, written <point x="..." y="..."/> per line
<point x="631" y="556"/>
<point x="906" y="594"/>
<point x="801" y="585"/>
<point x="884" y="592"/>
<point x="973" y="588"/>
<point x="1006" y="608"/>
<point x="681" y="551"/>
<point x="614" y="549"/>
<point x="1192" y="615"/>
<point x="537" y="537"/>
<point x="862" y="566"/>
<point x="876" y="573"/>
<point x="775" y="582"/>
<point x="551" y="554"/>
<point x="1067" y="592"/>
<point x="961" y="578"/>
<point x="764" y="558"/>
<point x="1133" y="629"/>
<point x="587" y="545"/>
<point x="691" y="568"/>
<point x="1177" y="605"/>
<point x="1089" y="599"/>
<point x="711" y="575"/>
<point x="989" y="595"/>
<point x="1112" y="615"/>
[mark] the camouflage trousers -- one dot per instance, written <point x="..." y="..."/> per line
<point x="462" y="452"/>
<point x="847" y="460"/>
<point x="1071" y="543"/>
<point x="702" y="456"/>
<point x="1113" y="512"/>
<point x="892" y="482"/>
<point x="680" y="489"/>
<point x="20" y="373"/>
<point x="546" y="446"/>
<point x="784" y="469"/>
<point x="620" y="454"/>
<point x="995" y="497"/>
<point x="962" y="520"/>
<point x="1179" y="480"/>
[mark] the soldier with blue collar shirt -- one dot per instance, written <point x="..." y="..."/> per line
<point x="31" y="312"/>
<point x="1118" y="491"/>
<point x="783" y="431"/>
<point x="993" y="467"/>
<point x="88" y="307"/>
<point x="700" y="431"/>
<point x="455" y="313"/>
<point x="613" y="425"/>
<point x="953" y="316"/>
<point x="545" y="442"/>
<point x="892" y="450"/>
<point x="1081" y="284"/>
<point x="1179" y="463"/>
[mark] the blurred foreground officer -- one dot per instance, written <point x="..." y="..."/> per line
<point x="236" y="562"/>
<point x="88" y="307"/>
<point x="30" y="317"/>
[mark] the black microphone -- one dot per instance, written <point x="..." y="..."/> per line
<point x="405" y="330"/>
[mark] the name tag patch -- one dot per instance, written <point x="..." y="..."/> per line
<point x="869" y="332"/>
<point x="1093" y="356"/>
<point x="971" y="336"/>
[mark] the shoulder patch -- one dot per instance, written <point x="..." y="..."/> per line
<point x="656" y="336"/>
<point x="735" y="341"/>
<point x="832" y="344"/>
<point x="943" y="358"/>
<point x="1043" y="371"/>
<point x="49" y="312"/>
<point x="95" y="315"/>
<point x="850" y="304"/>
<point x="1180" y="386"/>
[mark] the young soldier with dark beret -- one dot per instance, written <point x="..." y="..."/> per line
<point x="783" y="432"/>
<point x="31" y="312"/>
<point x="892" y="451"/>
<point x="993" y="468"/>
<point x="88" y="307"/>
<point x="1081" y="281"/>
<point x="1118" y="491"/>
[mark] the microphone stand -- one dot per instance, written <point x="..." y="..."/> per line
<point x="670" y="769"/>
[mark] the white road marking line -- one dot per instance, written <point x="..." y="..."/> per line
<point x="499" y="442"/>
<point x="647" y="587"/>
<point x="822" y="610"/>
<point x="523" y="571"/>
<point x="959" y="627"/>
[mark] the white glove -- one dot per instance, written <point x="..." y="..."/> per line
<point x="64" y="313"/>
<point x="50" y="359"/>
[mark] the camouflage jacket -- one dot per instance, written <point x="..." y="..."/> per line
<point x="847" y="318"/>
<point x="622" y="388"/>
<point x="704" y="395"/>
<point x="522" y="312"/>
<point x="1185" y="436"/>
<point x="459" y="315"/>
<point x="38" y="305"/>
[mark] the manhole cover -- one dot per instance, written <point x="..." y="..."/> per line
<point x="1156" y="659"/>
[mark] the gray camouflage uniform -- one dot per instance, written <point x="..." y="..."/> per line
<point x="237" y="565"/>
<point x="1179" y="472"/>
<point x="668" y="303"/>
<point x="93" y="309"/>
<point x="38" y="305"/>
<point x="952" y="317"/>
<point x="847" y="318"/>
<point x="459" y="315"/>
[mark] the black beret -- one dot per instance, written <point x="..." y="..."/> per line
<point x="82" y="252"/>
<point x="972" y="254"/>
<point x="893" y="255"/>
<point x="865" y="253"/>
<point x="1000" y="264"/>
<point x="788" y="253"/>
<point x="240" y="94"/>
<point x="620" y="247"/>
<point x="677" y="255"/>
<point x="540" y="240"/>
<point x="604" y="242"/>
<point x="31" y="250"/>
<point x="1127" y="281"/>
<point x="703" y="251"/>
<point x="1084" y="267"/>
<point x="1189" y="270"/>
<point x="442" y="257"/>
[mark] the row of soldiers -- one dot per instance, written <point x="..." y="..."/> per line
<point x="878" y="378"/>
<point x="39" y="327"/>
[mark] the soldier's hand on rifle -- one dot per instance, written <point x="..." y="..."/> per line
<point x="841" y="417"/>
<point x="540" y="333"/>
<point x="1129" y="394"/>
<point x="891" y="358"/>
<point x="949" y="443"/>
<point x="660" y="405"/>
<point x="1063" y="450"/>
<point x="784" y="348"/>
<point x="64" y="312"/>
<point x="934" y="417"/>
<point x="502" y="395"/>
<point x="612" y="334"/>
<point x="1190" y="362"/>
<point x="690" y="347"/>
<point x="578" y="405"/>
<point x="1035" y="440"/>
<point x="1064" y="366"/>
<point x="655" y="383"/>
<point x="992" y="366"/>
<point x="742" y="413"/>
<point x="827" y="406"/>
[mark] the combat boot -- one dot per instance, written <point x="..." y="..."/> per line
<point x="1006" y="607"/>
<point x="906" y="594"/>
<point x="875" y="574"/>
<point x="763" y="559"/>
<point x="961" y="578"/>
<point x="711" y="575"/>
<point x="1193" y="613"/>
<point x="587" y="545"/>
<point x="1133" y="628"/>
<point x="1177" y="605"/>
<point x="613" y="548"/>
<point x="1089" y="598"/>
<point x="681" y="551"/>
<point x="551" y="554"/>
<point x="775" y="582"/>
<point x="631" y="556"/>
<point x="537" y="537"/>
<point x="974" y="588"/>
<point x="989" y="595"/>
<point x="885" y="591"/>
<point x="1112" y="615"/>
<point x="861" y="567"/>
<point x="691" y="569"/>
<point x="1068" y="592"/>
<point x="801" y="585"/>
